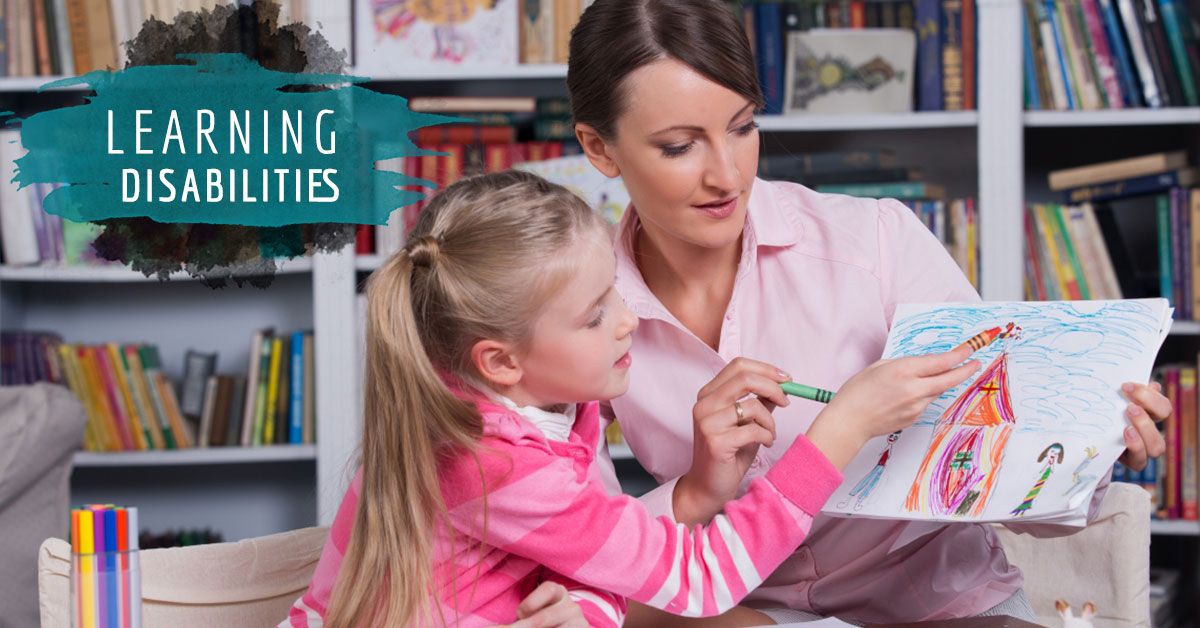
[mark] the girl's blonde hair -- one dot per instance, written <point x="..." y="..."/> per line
<point x="480" y="262"/>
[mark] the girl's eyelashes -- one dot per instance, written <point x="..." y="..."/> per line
<point x="595" y="322"/>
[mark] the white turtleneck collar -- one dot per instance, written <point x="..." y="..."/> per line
<point x="554" y="425"/>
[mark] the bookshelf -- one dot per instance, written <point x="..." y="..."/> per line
<point x="983" y="152"/>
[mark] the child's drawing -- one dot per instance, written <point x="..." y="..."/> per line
<point x="1078" y="479"/>
<point x="865" y="486"/>
<point x="960" y="468"/>
<point x="1052" y="374"/>
<point x="1051" y="456"/>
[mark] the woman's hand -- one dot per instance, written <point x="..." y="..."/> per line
<point x="886" y="396"/>
<point x="731" y="418"/>
<point x="549" y="606"/>
<point x="1147" y="408"/>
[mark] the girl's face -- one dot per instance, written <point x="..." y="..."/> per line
<point x="579" y="350"/>
<point x="687" y="149"/>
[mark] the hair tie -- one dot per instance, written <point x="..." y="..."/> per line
<point x="424" y="251"/>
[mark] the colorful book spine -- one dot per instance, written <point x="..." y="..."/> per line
<point x="1141" y="57"/>
<point x="1105" y="62"/>
<point x="769" y="41"/>
<point x="952" y="56"/>
<point x="1188" y="433"/>
<point x="1174" y="20"/>
<point x="296" y="390"/>
<point x="1163" y="213"/>
<point x="929" y="55"/>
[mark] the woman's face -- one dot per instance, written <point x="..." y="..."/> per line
<point x="687" y="149"/>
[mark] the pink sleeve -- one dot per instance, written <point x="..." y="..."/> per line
<point x="543" y="509"/>
<point x="600" y="608"/>
<point x="914" y="266"/>
<point x="309" y="610"/>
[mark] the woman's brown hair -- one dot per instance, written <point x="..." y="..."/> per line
<point x="615" y="37"/>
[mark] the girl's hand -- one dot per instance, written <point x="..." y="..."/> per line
<point x="1147" y="408"/>
<point x="887" y="396"/>
<point x="724" y="440"/>
<point x="549" y="606"/>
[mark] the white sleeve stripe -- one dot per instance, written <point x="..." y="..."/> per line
<point x="721" y="594"/>
<point x="738" y="553"/>
<point x="670" y="587"/>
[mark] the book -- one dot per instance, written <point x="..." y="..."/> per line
<point x="907" y="190"/>
<point x="208" y="409"/>
<point x="197" y="368"/>
<point x="1117" y="170"/>
<point x="769" y="54"/>
<point x="929" y="55"/>
<point x="1151" y="95"/>
<point x="1137" y="186"/>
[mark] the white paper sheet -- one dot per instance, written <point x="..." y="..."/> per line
<point x="1028" y="437"/>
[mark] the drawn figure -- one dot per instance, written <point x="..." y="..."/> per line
<point x="869" y="481"/>
<point x="961" y="465"/>
<point x="395" y="17"/>
<point x="1051" y="456"/>
<point x="1078" y="480"/>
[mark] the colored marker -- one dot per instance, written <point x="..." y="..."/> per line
<point x="986" y="337"/>
<point x="135" y="572"/>
<point x="123" y="565"/>
<point x="819" y="395"/>
<point x="101" y="577"/>
<point x="87" y="585"/>
<point x="112" y="580"/>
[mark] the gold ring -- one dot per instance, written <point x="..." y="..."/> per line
<point x="741" y="414"/>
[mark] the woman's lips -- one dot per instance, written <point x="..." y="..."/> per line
<point x="720" y="209"/>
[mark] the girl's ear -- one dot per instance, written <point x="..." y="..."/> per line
<point x="496" y="362"/>
<point x="597" y="150"/>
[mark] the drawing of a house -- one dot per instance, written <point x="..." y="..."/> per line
<point x="959" y="470"/>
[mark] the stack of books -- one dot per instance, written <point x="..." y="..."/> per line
<point x="1110" y="54"/>
<point x="496" y="134"/>
<point x="1173" y="480"/>
<point x="1076" y="250"/>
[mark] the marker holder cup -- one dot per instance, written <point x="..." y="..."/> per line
<point x="106" y="590"/>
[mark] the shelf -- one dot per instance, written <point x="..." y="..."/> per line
<point x="368" y="262"/>
<point x="620" y="452"/>
<point x="856" y="121"/>
<point x="468" y="73"/>
<point x="210" y="455"/>
<point x="116" y="273"/>
<point x="1185" y="328"/>
<point x="32" y="83"/>
<point x="1113" y="117"/>
<point x="1174" y="528"/>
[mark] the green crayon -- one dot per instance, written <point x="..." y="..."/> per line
<point x="807" y="392"/>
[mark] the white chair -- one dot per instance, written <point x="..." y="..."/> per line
<point x="1107" y="562"/>
<point x="250" y="583"/>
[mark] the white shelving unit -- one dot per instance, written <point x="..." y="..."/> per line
<point x="322" y="290"/>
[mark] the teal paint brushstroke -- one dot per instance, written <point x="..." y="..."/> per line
<point x="69" y="145"/>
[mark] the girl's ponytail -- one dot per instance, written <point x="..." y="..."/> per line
<point x="479" y="263"/>
<point x="409" y="416"/>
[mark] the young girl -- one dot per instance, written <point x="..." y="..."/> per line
<point x="490" y="337"/>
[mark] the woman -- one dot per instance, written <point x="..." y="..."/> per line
<point x="718" y="265"/>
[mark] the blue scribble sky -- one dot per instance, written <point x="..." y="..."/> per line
<point x="1089" y="343"/>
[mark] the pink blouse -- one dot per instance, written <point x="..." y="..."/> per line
<point x="819" y="278"/>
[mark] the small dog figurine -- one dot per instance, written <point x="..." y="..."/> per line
<point x="1070" y="620"/>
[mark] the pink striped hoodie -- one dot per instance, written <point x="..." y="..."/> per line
<point x="549" y="517"/>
